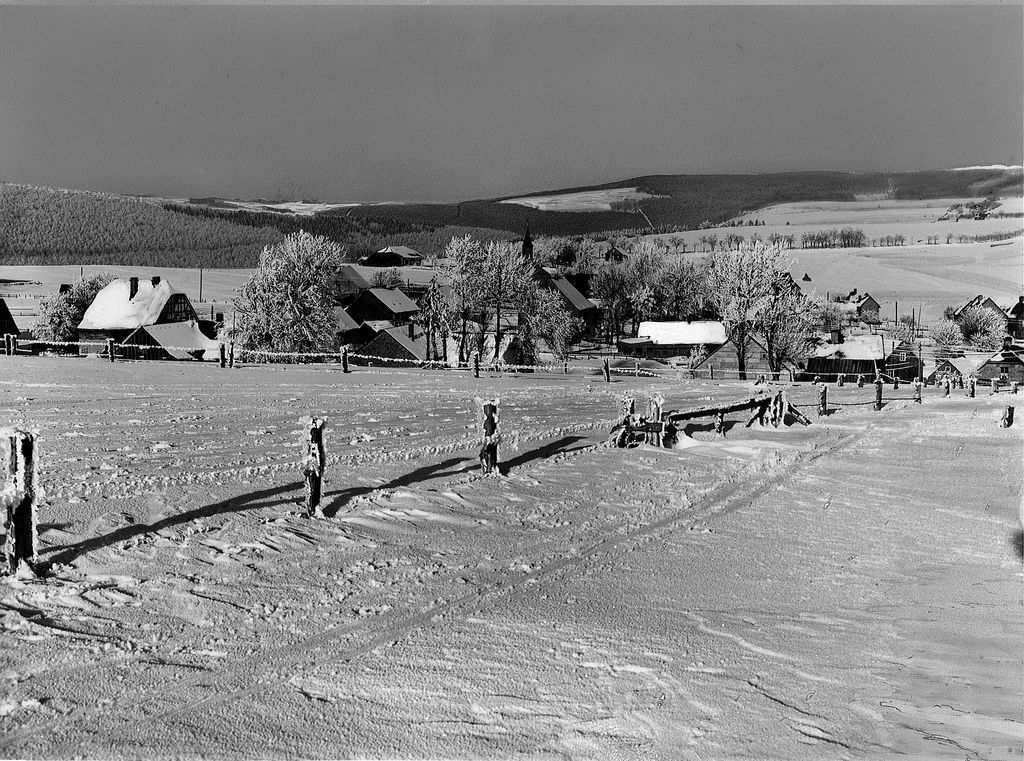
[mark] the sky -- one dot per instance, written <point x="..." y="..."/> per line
<point x="432" y="103"/>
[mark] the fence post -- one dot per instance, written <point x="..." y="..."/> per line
<point x="565" y="367"/>
<point x="895" y="382"/>
<point x="223" y="357"/>
<point x="972" y="383"/>
<point x="878" y="394"/>
<point x="14" y="343"/>
<point x="110" y="348"/>
<point x="7" y="344"/>
<point x="1007" y="419"/>
<point x="947" y="385"/>
<point x="860" y="381"/>
<point x="476" y="364"/>
<point x="822" y="400"/>
<point x="490" y="436"/>
<point x="711" y="368"/>
<point x="841" y="380"/>
<point x="817" y="380"/>
<point x="918" y="385"/>
<point x="344" y="360"/>
<point x="18" y="500"/>
<point x="636" y="369"/>
<point x="231" y="355"/>
<point x="607" y="371"/>
<point x="1013" y="387"/>
<point x="720" y="423"/>
<point x="313" y="466"/>
<point x="995" y="387"/>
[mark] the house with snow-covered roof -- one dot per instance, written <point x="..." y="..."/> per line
<point x="127" y="304"/>
<point x="382" y="304"/>
<point x="850" y="356"/>
<point x="659" y="340"/>
<point x="392" y="256"/>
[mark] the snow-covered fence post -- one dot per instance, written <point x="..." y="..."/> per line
<point x="565" y="367"/>
<point x="860" y="381"/>
<point x="7" y="344"/>
<point x="918" y="385"/>
<point x="313" y="466"/>
<point x="231" y="355"/>
<point x="878" y="394"/>
<point x="607" y="371"/>
<point x="841" y="379"/>
<point x="1007" y="420"/>
<point x="490" y="435"/>
<point x="14" y="344"/>
<point x="223" y="357"/>
<point x="972" y="384"/>
<point x="18" y="499"/>
<point x="995" y="387"/>
<point x="344" y="359"/>
<point x="720" y="423"/>
<point x="636" y="368"/>
<point x="960" y="381"/>
<point x="817" y="380"/>
<point x="110" y="348"/>
<point x="895" y="382"/>
<point x="822" y="400"/>
<point x="476" y="365"/>
<point x="947" y="386"/>
<point x="1013" y="387"/>
<point x="657" y="438"/>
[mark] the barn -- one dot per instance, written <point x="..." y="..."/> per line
<point x="382" y="304"/>
<point x="660" y="340"/>
<point x="170" y="340"/>
<point x="392" y="256"/>
<point x="855" y="355"/>
<point x="123" y="306"/>
<point x="726" y="359"/>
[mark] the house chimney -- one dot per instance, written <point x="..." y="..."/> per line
<point x="1007" y="343"/>
<point x="133" y="287"/>
<point x="412" y="329"/>
<point x="156" y="280"/>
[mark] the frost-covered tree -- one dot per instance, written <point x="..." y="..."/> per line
<point x="61" y="313"/>
<point x="464" y="277"/>
<point x="388" y="277"/>
<point x="982" y="327"/>
<point x="609" y="287"/>
<point x="948" y="337"/>
<point x="288" y="303"/>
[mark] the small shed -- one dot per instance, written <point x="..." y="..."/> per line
<point x="954" y="368"/>
<point x="613" y="254"/>
<point x="392" y="256"/>
<point x="382" y="304"/>
<point x="1006" y="365"/>
<point x="659" y="340"/>
<point x="172" y="340"/>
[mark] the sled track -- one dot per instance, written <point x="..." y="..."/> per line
<point x="285" y="663"/>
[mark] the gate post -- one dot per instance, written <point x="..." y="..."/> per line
<point x="18" y="500"/>
<point x="313" y="466"/>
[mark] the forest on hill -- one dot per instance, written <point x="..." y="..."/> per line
<point x="53" y="226"/>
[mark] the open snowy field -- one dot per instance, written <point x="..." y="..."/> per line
<point x="587" y="200"/>
<point x="847" y="590"/>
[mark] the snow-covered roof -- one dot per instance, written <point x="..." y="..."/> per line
<point x="694" y="333"/>
<point x="404" y="251"/>
<point x="180" y="339"/>
<point x="853" y="347"/>
<point x="113" y="309"/>
<point x="964" y="365"/>
<point x="395" y="301"/>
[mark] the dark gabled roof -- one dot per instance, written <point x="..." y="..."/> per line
<point x="403" y="251"/>
<point x="576" y="300"/>
<point x="343" y="321"/>
<point x="1012" y="353"/>
<point x="7" y="324"/>
<point x="414" y="348"/>
<point x="393" y="300"/>
<point x="978" y="301"/>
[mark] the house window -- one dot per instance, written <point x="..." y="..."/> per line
<point x="903" y="356"/>
<point x="1004" y="372"/>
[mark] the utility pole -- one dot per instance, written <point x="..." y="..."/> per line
<point x="200" y="284"/>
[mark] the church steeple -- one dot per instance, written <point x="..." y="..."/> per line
<point x="528" y="245"/>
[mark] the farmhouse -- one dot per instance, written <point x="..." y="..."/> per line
<point x="726" y="359"/>
<point x="402" y="346"/>
<point x="578" y="305"/>
<point x="392" y="256"/>
<point x="382" y="304"/>
<point x="983" y="302"/>
<point x="123" y="306"/>
<point x="954" y="368"/>
<point x="855" y="355"/>
<point x="348" y="284"/>
<point x="903" y="361"/>
<point x="1006" y="365"/>
<point x="658" y="340"/>
<point x="7" y="324"/>
<point x="349" y="332"/>
<point x="1015" y="325"/>
<point x="860" y="307"/>
<point x="613" y="253"/>
<point x="170" y="340"/>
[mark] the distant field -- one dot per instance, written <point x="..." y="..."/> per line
<point x="915" y="275"/>
<point x="590" y="200"/>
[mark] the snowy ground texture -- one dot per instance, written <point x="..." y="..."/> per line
<point x="847" y="590"/>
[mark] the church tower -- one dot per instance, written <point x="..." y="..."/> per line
<point x="528" y="245"/>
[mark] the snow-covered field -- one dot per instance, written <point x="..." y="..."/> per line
<point x="846" y="590"/>
<point x="588" y="200"/>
